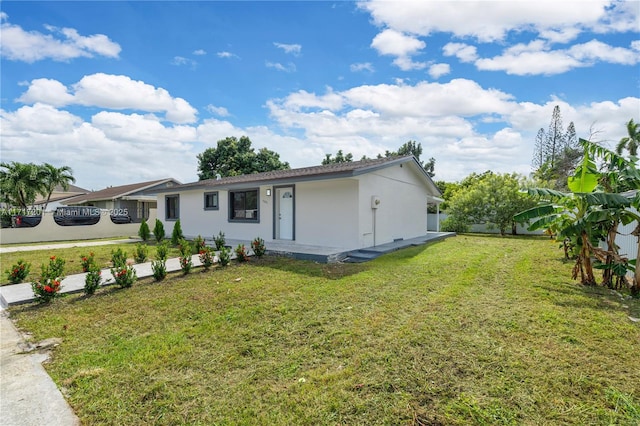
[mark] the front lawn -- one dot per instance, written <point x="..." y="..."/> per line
<point x="470" y="330"/>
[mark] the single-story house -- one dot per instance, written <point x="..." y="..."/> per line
<point x="348" y="205"/>
<point x="135" y="199"/>
<point x="59" y="195"/>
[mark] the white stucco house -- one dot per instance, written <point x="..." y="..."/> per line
<point x="347" y="205"/>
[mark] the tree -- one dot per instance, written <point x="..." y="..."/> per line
<point x="489" y="198"/>
<point x="55" y="176"/>
<point x="233" y="157"/>
<point x="20" y="183"/>
<point x="158" y="231"/>
<point x="556" y="152"/>
<point x="144" y="231"/>
<point x="631" y="141"/>
<point x="339" y="158"/>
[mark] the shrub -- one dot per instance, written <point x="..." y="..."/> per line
<point x="144" y="231"/>
<point x="18" y="272"/>
<point x="159" y="268"/>
<point x="224" y="256"/>
<point x="48" y="286"/>
<point x="124" y="276"/>
<point x="93" y="279"/>
<point x="241" y="253"/>
<point x="176" y="234"/>
<point x="158" y="231"/>
<point x="87" y="261"/>
<point x="118" y="258"/>
<point x="219" y="240"/>
<point x="206" y="258"/>
<point x="198" y="244"/>
<point x="142" y="252"/>
<point x="162" y="251"/>
<point x="185" y="256"/>
<point x="454" y="224"/>
<point x="258" y="247"/>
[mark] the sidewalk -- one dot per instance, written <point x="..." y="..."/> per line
<point x="15" y="248"/>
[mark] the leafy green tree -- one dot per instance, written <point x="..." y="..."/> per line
<point x="339" y="158"/>
<point x="20" y="183"/>
<point x="490" y="198"/>
<point x="631" y="141"/>
<point x="233" y="157"/>
<point x="55" y="176"/>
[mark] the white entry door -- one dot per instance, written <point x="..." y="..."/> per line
<point x="284" y="217"/>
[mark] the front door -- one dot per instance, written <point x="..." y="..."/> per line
<point x="284" y="213"/>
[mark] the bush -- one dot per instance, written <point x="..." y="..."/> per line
<point x="144" y="231"/>
<point x="219" y="240"/>
<point x="258" y="247"/>
<point x="241" y="253"/>
<point x="159" y="268"/>
<point x="198" y="244"/>
<point x="176" y="234"/>
<point x="158" y="231"/>
<point x="224" y="256"/>
<point x="142" y="252"/>
<point x="93" y="279"/>
<point x="454" y="224"/>
<point x="118" y="258"/>
<point x="124" y="276"/>
<point x="206" y="258"/>
<point x="185" y="256"/>
<point x="87" y="261"/>
<point x="162" y="251"/>
<point x="48" y="286"/>
<point x="18" y="272"/>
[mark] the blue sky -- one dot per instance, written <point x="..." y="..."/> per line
<point x="132" y="91"/>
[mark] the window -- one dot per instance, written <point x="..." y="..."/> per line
<point x="172" y="207"/>
<point x="243" y="205"/>
<point x="211" y="200"/>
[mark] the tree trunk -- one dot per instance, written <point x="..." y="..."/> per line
<point x="635" y="288"/>
<point x="585" y="258"/>
<point x="607" y="272"/>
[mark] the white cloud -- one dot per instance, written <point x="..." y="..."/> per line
<point x="293" y="49"/>
<point x="32" y="46"/>
<point x="393" y="43"/>
<point x="363" y="66"/>
<point x="290" y="67"/>
<point x="113" y="92"/>
<point x="227" y="55"/>
<point x="200" y="52"/>
<point x="220" y="111"/>
<point x="438" y="70"/>
<point x="181" y="60"/>
<point x="498" y="17"/>
<point x="462" y="51"/>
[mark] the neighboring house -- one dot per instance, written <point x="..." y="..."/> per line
<point x="135" y="199"/>
<point x="59" y="195"/>
<point x="346" y="205"/>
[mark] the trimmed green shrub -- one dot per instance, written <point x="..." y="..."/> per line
<point x="176" y="234"/>
<point x="144" y="231"/>
<point x="158" y="231"/>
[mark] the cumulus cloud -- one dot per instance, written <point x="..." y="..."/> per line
<point x="394" y="43"/>
<point x="226" y="54"/>
<point x="60" y="44"/>
<point x="117" y="92"/>
<point x="363" y="66"/>
<point x="290" y="67"/>
<point x="293" y="49"/>
<point x="438" y="70"/>
<point x="220" y="111"/>
<point x="200" y="52"/>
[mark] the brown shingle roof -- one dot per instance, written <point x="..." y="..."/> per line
<point x="305" y="173"/>
<point x="115" y="192"/>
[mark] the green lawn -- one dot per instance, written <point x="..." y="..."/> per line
<point x="470" y="330"/>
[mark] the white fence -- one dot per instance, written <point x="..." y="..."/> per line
<point x="49" y="230"/>
<point x="479" y="228"/>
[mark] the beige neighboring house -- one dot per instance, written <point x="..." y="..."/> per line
<point x="58" y="196"/>
<point x="347" y="205"/>
<point x="135" y="199"/>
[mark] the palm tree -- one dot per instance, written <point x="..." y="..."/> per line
<point x="20" y="183"/>
<point x="53" y="176"/>
<point x="632" y="141"/>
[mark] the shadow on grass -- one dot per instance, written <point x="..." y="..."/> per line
<point x="332" y="271"/>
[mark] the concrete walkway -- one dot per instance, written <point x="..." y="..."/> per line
<point x="13" y="248"/>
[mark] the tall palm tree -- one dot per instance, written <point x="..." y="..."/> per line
<point x="53" y="176"/>
<point x="632" y="141"/>
<point x="20" y="183"/>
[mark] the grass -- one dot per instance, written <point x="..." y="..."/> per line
<point x="471" y="330"/>
<point x="72" y="257"/>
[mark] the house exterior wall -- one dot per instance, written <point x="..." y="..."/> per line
<point x="402" y="212"/>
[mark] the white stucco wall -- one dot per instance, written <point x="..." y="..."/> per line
<point x="327" y="213"/>
<point x="402" y="212"/>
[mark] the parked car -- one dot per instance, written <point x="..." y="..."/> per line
<point x="76" y="215"/>
<point x="25" y="221"/>
<point x="121" y="218"/>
